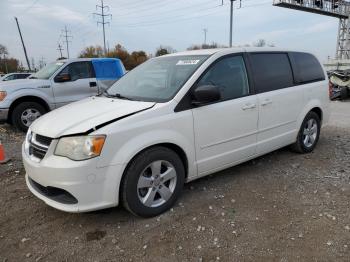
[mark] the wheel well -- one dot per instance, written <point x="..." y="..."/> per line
<point x="318" y="111"/>
<point x="178" y="150"/>
<point x="27" y="99"/>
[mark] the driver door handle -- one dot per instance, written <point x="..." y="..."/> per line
<point x="248" y="106"/>
<point x="266" y="102"/>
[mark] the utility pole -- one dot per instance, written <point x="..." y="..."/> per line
<point x="60" y="49"/>
<point x="33" y="64"/>
<point x="205" y="30"/>
<point x="42" y="62"/>
<point x="24" y="47"/>
<point x="231" y="22"/>
<point x="65" y="32"/>
<point x="103" y="15"/>
<point x="231" y="18"/>
<point x="5" y="61"/>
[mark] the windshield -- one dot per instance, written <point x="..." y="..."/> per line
<point x="47" y="71"/>
<point x="157" y="80"/>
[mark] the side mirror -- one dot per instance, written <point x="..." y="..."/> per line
<point x="62" y="78"/>
<point x="206" y="94"/>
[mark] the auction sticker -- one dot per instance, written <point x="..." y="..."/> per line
<point x="188" y="62"/>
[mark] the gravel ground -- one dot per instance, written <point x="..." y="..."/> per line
<point x="280" y="207"/>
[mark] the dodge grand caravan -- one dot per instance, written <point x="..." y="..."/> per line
<point x="171" y="120"/>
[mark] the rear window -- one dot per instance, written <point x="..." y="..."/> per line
<point x="271" y="71"/>
<point x="308" y="69"/>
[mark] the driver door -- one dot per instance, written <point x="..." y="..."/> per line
<point x="226" y="131"/>
<point x="82" y="83"/>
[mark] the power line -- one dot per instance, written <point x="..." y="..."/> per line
<point x="103" y="16"/>
<point x="174" y="19"/>
<point x="177" y="18"/>
<point x="137" y="13"/>
<point x="65" y="32"/>
<point x="29" y="7"/>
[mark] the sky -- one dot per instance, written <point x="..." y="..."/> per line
<point x="147" y="24"/>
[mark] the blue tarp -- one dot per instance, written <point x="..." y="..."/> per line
<point x="108" y="68"/>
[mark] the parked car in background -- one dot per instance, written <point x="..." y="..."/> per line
<point x="57" y="84"/>
<point x="171" y="120"/>
<point x="14" y="76"/>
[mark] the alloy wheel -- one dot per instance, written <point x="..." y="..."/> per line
<point x="156" y="183"/>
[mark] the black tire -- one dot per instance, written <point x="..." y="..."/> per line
<point x="299" y="146"/>
<point x="20" y="109"/>
<point x="344" y="93"/>
<point x="130" y="193"/>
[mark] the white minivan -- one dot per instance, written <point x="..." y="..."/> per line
<point x="171" y="120"/>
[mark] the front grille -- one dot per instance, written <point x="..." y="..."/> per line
<point x="38" y="146"/>
<point x="44" y="140"/>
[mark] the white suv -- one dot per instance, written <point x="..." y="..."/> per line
<point x="172" y="120"/>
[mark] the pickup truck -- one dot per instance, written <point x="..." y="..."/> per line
<point x="55" y="85"/>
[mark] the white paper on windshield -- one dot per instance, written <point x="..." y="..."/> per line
<point x="188" y="62"/>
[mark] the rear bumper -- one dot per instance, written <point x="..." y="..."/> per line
<point x="4" y="114"/>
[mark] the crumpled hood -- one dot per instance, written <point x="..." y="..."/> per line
<point x="84" y="115"/>
<point x="23" y="83"/>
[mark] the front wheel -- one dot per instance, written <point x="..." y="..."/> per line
<point x="152" y="182"/>
<point x="25" y="114"/>
<point x="309" y="134"/>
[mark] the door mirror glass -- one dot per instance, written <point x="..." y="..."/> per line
<point x="62" y="78"/>
<point x="206" y="94"/>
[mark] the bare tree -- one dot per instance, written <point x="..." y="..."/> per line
<point x="260" y="43"/>
<point x="3" y="50"/>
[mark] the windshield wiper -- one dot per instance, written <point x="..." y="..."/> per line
<point x="116" y="95"/>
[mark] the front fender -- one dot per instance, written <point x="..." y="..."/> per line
<point x="148" y="139"/>
<point x="23" y="92"/>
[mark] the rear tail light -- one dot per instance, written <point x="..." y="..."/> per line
<point x="330" y="89"/>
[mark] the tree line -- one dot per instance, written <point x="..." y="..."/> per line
<point x="133" y="59"/>
<point x="129" y="59"/>
<point x="8" y="64"/>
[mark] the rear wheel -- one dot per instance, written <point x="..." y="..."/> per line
<point x="309" y="134"/>
<point x="25" y="114"/>
<point x="152" y="182"/>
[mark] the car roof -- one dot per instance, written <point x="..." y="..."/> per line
<point x="21" y="73"/>
<point x="230" y="50"/>
<point x="83" y="59"/>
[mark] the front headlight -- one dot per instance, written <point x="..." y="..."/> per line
<point x="27" y="141"/>
<point x="3" y="94"/>
<point x="80" y="147"/>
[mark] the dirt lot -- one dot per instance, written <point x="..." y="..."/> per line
<point x="280" y="207"/>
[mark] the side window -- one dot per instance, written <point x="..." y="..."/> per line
<point x="21" y="76"/>
<point x="230" y="75"/>
<point x="308" y="69"/>
<point x="271" y="71"/>
<point x="10" y="77"/>
<point x="78" y="70"/>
